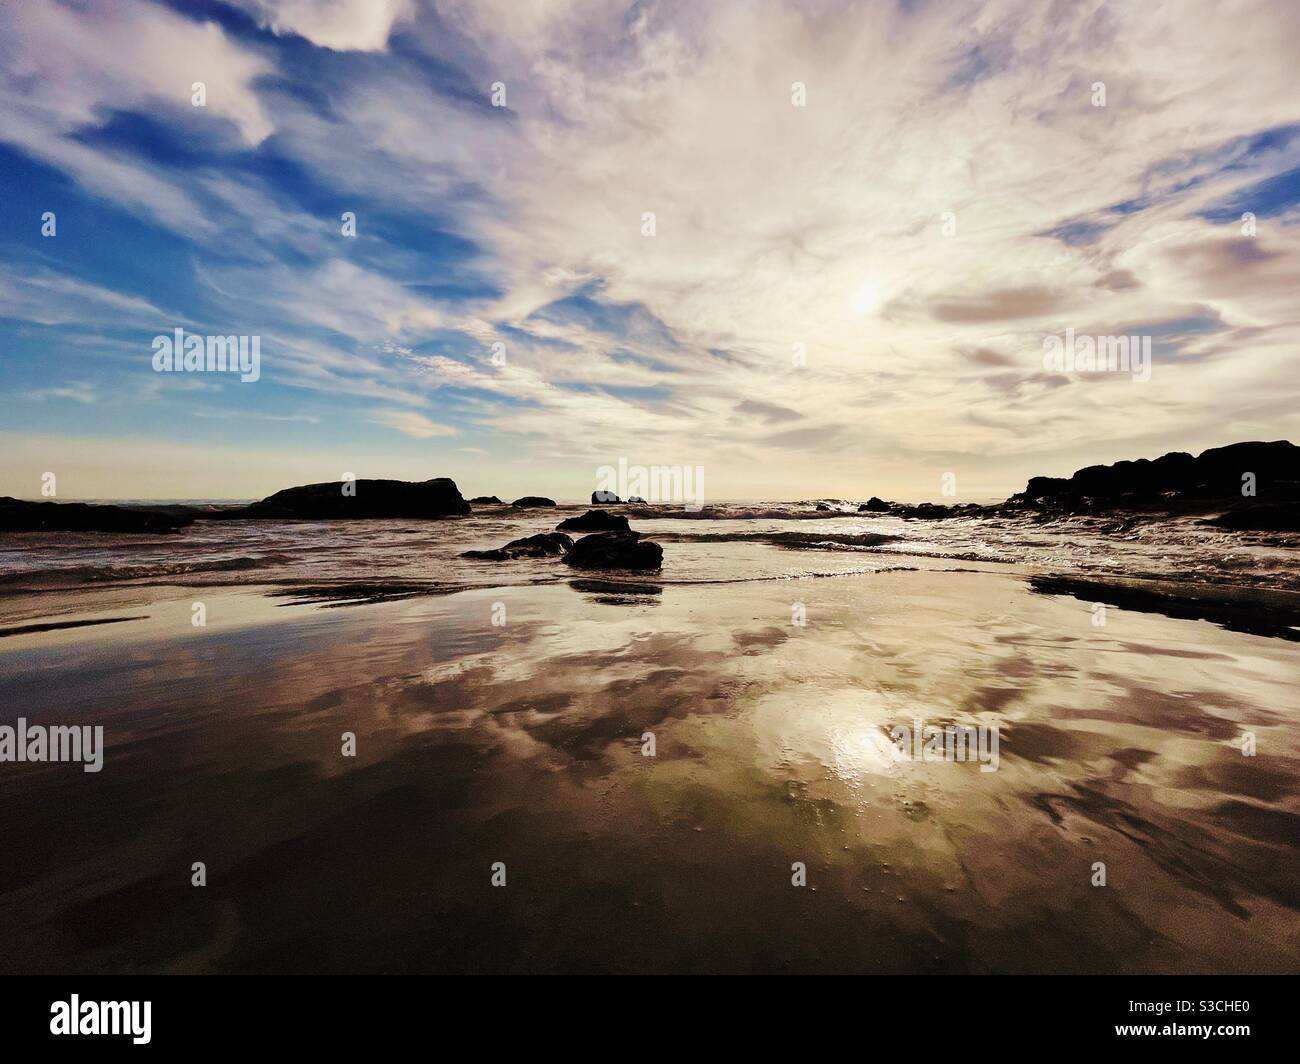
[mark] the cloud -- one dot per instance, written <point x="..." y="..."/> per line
<point x="948" y="158"/>
<point x="342" y="25"/>
<point x="76" y="391"/>
<point x="769" y="413"/>
<point x="49" y="298"/>
<point x="410" y="423"/>
<point x="1003" y="304"/>
<point x="65" y="66"/>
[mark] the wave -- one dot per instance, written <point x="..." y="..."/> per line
<point x="77" y="575"/>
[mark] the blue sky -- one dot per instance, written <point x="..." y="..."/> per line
<point x="947" y="192"/>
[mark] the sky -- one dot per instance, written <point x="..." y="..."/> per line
<point x="813" y="248"/>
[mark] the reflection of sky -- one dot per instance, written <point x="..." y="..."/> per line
<point x="524" y="740"/>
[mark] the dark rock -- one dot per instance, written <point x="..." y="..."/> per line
<point x="928" y="511"/>
<point x="604" y="496"/>
<point x="874" y="505"/>
<point x="595" y="521"/>
<point x="539" y="546"/>
<point x="1175" y="479"/>
<point x="615" y="550"/>
<point x="823" y="508"/>
<point x="487" y="500"/>
<point x="373" y="499"/>
<point x="636" y="498"/>
<point x="1261" y="517"/>
<point x="533" y="500"/>
<point x="18" y="515"/>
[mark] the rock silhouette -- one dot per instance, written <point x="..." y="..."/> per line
<point x="18" y="515"/>
<point x="615" y="550"/>
<point x="539" y="546"/>
<point x="1174" y="478"/>
<point x="372" y="499"/>
<point x="595" y="521"/>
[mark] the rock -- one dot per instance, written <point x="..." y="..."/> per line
<point x="533" y="500"/>
<point x="1261" y="517"/>
<point x="604" y="496"/>
<point x="638" y="499"/>
<point x="18" y="515"/>
<point x="874" y="505"/>
<point x="539" y="546"/>
<point x="373" y="499"/>
<point x="1176" y="479"/>
<point x="927" y="511"/>
<point x="823" y="508"/>
<point x="486" y="500"/>
<point x="615" y="550"/>
<point x="595" y="521"/>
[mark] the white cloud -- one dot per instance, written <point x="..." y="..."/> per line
<point x="49" y="298"/>
<point x="341" y="25"/>
<point x="67" y="65"/>
<point x="410" y="423"/>
<point x="770" y="218"/>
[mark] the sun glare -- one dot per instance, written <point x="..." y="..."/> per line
<point x="867" y="298"/>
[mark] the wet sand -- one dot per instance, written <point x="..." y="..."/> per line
<point x="522" y="744"/>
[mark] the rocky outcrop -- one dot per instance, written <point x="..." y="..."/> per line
<point x="615" y="550"/>
<point x="533" y="500"/>
<point x="366" y="499"/>
<point x="874" y="505"/>
<point x="1173" y="481"/>
<point x="486" y="500"/>
<point x="604" y="497"/>
<point x="595" y="521"/>
<point x="18" y="515"/>
<point x="637" y="499"/>
<point x="539" y="546"/>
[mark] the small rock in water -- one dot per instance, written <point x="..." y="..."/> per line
<point x="615" y="550"/>
<point x="539" y="546"/>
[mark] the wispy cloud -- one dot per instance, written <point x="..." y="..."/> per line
<point x="411" y="424"/>
<point x="950" y="163"/>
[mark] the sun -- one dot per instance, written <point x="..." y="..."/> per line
<point x="866" y="300"/>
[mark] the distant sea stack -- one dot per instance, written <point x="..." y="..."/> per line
<point x="604" y="497"/>
<point x="486" y="500"/>
<point x="1269" y="471"/>
<point x="533" y="500"/>
<point x="595" y="521"/>
<point x="17" y="515"/>
<point x="411" y="500"/>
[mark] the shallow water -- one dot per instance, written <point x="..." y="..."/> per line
<point x="724" y="543"/>
<point x="522" y="743"/>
